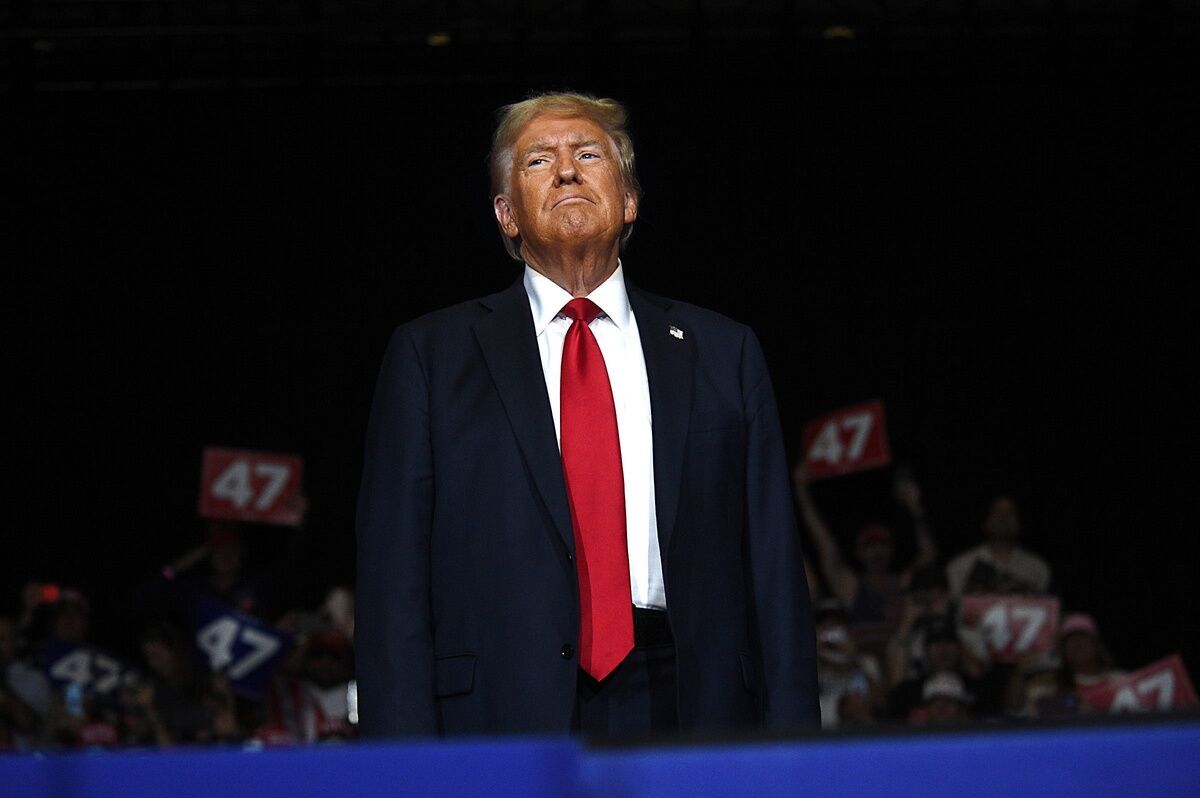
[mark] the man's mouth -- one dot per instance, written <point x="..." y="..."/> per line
<point x="568" y="199"/>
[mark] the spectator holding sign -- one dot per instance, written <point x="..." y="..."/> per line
<point x="215" y="570"/>
<point x="999" y="565"/>
<point x="1050" y="684"/>
<point x="1085" y="659"/>
<point x="874" y="596"/>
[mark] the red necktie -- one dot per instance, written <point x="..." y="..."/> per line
<point x="591" y="455"/>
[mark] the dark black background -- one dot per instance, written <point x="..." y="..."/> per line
<point x="998" y="248"/>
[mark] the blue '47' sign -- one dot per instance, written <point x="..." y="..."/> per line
<point x="93" y="670"/>
<point x="239" y="645"/>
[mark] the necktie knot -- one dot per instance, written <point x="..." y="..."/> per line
<point x="581" y="309"/>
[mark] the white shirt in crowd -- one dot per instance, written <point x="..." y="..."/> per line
<point x="1021" y="564"/>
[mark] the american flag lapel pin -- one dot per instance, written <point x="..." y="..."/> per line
<point x="675" y="331"/>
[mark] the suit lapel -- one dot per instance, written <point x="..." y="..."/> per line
<point x="509" y="345"/>
<point x="669" y="371"/>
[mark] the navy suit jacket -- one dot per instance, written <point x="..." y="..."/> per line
<point x="467" y="600"/>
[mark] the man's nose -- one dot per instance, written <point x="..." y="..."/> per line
<point x="566" y="171"/>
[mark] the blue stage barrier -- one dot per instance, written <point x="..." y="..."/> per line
<point x="1088" y="762"/>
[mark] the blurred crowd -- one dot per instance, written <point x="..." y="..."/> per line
<point x="217" y="662"/>
<point x="897" y="643"/>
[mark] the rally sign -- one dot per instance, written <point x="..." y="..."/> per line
<point x="238" y="645"/>
<point x="93" y="670"/>
<point x="1159" y="687"/>
<point x="245" y="485"/>
<point x="847" y="440"/>
<point x="1011" y="626"/>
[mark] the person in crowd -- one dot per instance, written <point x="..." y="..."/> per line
<point x="140" y="725"/>
<point x="24" y="693"/>
<point x="874" y="595"/>
<point x="1085" y="659"/>
<point x="946" y="701"/>
<point x="313" y="705"/>
<point x="841" y="668"/>
<point x="174" y="694"/>
<point x="37" y="599"/>
<point x="73" y="715"/>
<point x="856" y="708"/>
<point x="336" y="612"/>
<point x="999" y="565"/>
<point x="216" y="568"/>
<point x="225" y="725"/>
<point x="1033" y="689"/>
<point x="222" y="569"/>
<point x="69" y="617"/>
<point x="943" y="653"/>
<point x="926" y="602"/>
<point x="1045" y="685"/>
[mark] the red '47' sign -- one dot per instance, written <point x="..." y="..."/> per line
<point x="1011" y="626"/>
<point x="243" y="485"/>
<point x="1160" y="686"/>
<point x="847" y="440"/>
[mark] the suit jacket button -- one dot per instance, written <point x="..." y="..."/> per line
<point x="568" y="651"/>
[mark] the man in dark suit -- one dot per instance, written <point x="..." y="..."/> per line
<point x="575" y="510"/>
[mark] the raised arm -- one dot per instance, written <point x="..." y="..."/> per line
<point x="908" y="493"/>
<point x="841" y="578"/>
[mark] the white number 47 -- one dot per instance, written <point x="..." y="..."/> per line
<point x="1161" y="685"/>
<point x="827" y="445"/>
<point x="216" y="640"/>
<point x="234" y="483"/>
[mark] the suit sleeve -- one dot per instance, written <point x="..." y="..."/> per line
<point x="782" y="609"/>
<point x="393" y="634"/>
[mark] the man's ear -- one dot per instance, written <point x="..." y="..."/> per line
<point x="502" y="206"/>
<point x="631" y="207"/>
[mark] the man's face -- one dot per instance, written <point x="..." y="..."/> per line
<point x="565" y="189"/>
<point x="1003" y="523"/>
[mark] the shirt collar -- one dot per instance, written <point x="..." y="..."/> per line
<point x="546" y="298"/>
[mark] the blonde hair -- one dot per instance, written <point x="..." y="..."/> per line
<point x="609" y="114"/>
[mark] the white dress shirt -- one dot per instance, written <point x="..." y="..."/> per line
<point x="616" y="332"/>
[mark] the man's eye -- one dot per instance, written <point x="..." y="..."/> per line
<point x="589" y="155"/>
<point x="537" y="161"/>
